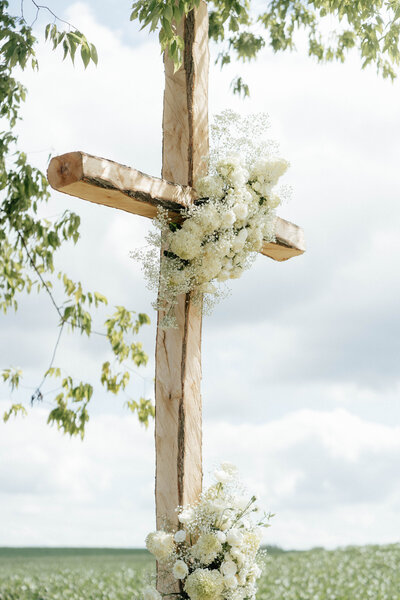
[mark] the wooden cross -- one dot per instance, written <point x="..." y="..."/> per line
<point x="178" y="434"/>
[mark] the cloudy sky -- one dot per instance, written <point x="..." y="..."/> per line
<point x="300" y="364"/>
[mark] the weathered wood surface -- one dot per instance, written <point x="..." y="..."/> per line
<point x="289" y="241"/>
<point x="178" y="431"/>
<point x="106" y="182"/>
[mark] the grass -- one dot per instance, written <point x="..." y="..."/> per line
<point x="363" y="573"/>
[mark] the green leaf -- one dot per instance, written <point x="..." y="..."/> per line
<point x="85" y="54"/>
<point x="93" y="54"/>
<point x="15" y="409"/>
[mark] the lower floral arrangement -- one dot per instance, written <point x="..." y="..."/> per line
<point x="215" y="553"/>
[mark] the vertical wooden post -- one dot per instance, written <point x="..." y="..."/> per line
<point x="178" y="430"/>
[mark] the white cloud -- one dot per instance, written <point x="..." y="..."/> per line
<point x="315" y="333"/>
<point x="327" y="475"/>
<point x="60" y="491"/>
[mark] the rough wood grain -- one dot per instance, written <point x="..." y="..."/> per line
<point x="289" y="241"/>
<point x="178" y="429"/>
<point x="178" y="351"/>
<point x="106" y="182"/>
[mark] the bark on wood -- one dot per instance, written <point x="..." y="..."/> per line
<point x="178" y="430"/>
<point x="178" y="351"/>
<point x="106" y="182"/>
<point x="289" y="241"/>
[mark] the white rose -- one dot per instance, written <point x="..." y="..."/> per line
<point x="150" y="593"/>
<point x="221" y="537"/>
<point x="234" y="537"/>
<point x="231" y="582"/>
<point x="237" y="555"/>
<point x="228" y="218"/>
<point x="180" y="536"/>
<point x="222" y="476"/>
<point x="186" y="515"/>
<point x="161" y="544"/>
<point x="241" y="210"/>
<point x="228" y="568"/>
<point x="180" y="569"/>
<point x="239" y="176"/>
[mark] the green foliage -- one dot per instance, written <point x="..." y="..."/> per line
<point x="14" y="409"/>
<point x="13" y="377"/>
<point x="71" y="414"/>
<point x="144" y="410"/>
<point x="28" y="243"/>
<point x="70" y="41"/>
<point x="166" y="17"/>
<point x="333" y="27"/>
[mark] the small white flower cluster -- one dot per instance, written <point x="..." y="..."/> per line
<point x="219" y="235"/>
<point x="214" y="552"/>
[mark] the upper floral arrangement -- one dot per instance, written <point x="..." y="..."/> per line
<point x="217" y="238"/>
<point x="214" y="554"/>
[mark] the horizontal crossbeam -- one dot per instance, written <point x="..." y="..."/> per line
<point x="106" y="182"/>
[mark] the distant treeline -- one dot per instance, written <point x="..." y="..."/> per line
<point x="34" y="552"/>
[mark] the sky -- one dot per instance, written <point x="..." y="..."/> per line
<point x="300" y="363"/>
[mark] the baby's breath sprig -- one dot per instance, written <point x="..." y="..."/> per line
<point x="218" y="237"/>
<point x="215" y="551"/>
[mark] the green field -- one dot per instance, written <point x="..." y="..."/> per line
<point x="367" y="573"/>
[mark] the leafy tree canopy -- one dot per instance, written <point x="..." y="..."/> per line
<point x="243" y="28"/>
<point x="28" y="244"/>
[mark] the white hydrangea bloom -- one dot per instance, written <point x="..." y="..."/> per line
<point x="207" y="548"/>
<point x="160" y="544"/>
<point x="210" y="186"/>
<point x="204" y="584"/>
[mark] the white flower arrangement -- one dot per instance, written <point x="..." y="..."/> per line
<point x="214" y="555"/>
<point x="217" y="238"/>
